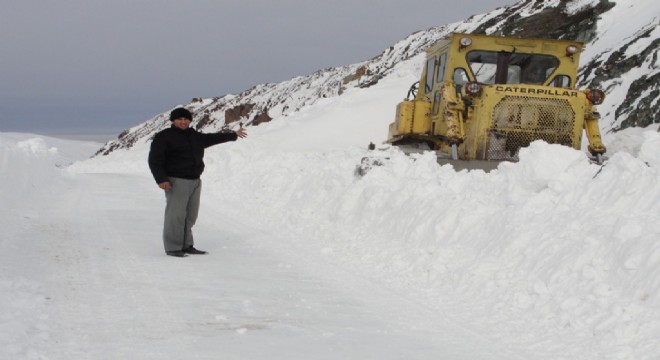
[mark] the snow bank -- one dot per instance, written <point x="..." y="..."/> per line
<point x="32" y="166"/>
<point x="31" y="170"/>
<point x="567" y="248"/>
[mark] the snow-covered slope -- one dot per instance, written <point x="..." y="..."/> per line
<point x="621" y="58"/>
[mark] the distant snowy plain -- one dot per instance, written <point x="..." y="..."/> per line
<point x="549" y="258"/>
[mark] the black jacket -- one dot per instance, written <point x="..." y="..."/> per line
<point x="180" y="153"/>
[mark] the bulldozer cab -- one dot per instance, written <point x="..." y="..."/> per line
<point x="482" y="98"/>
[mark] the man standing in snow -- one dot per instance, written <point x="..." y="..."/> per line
<point x="176" y="162"/>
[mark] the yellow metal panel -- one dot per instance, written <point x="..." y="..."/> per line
<point x="421" y="120"/>
<point x="404" y="117"/>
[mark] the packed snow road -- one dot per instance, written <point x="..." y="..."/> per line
<point x="110" y="292"/>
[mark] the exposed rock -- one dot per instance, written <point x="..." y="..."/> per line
<point x="237" y="112"/>
<point x="261" y="118"/>
<point x="549" y="23"/>
<point x="204" y="121"/>
<point x="639" y="108"/>
<point x="360" y="72"/>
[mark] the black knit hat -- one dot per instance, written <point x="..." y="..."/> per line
<point x="180" y="113"/>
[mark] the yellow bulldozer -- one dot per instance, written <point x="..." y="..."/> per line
<point x="481" y="98"/>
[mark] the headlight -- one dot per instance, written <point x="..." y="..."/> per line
<point x="473" y="89"/>
<point x="572" y="50"/>
<point x="465" y="42"/>
<point x="595" y="96"/>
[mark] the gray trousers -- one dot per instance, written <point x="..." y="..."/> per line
<point x="181" y="213"/>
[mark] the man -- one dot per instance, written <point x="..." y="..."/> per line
<point x="176" y="162"/>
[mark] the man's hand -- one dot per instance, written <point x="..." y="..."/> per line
<point x="241" y="133"/>
<point x="165" y="185"/>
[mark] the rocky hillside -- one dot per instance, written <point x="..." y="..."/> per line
<point x="621" y="58"/>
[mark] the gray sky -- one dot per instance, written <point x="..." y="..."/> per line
<point x="93" y="66"/>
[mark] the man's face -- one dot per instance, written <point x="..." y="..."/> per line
<point x="181" y="123"/>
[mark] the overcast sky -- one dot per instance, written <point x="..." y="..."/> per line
<point x="92" y="66"/>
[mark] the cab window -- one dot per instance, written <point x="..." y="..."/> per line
<point x="492" y="67"/>
<point x="430" y="72"/>
<point x="561" y="81"/>
<point x="441" y="67"/>
<point x="460" y="78"/>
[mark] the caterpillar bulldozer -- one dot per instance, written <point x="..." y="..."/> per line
<point x="480" y="99"/>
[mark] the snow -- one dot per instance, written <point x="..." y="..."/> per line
<point x="531" y="9"/>
<point x="575" y="6"/>
<point x="614" y="36"/>
<point x="613" y="32"/>
<point x="551" y="257"/>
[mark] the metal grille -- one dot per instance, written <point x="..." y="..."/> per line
<point x="519" y="120"/>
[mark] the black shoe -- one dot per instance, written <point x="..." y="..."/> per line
<point x="193" y="251"/>
<point x="177" y="253"/>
